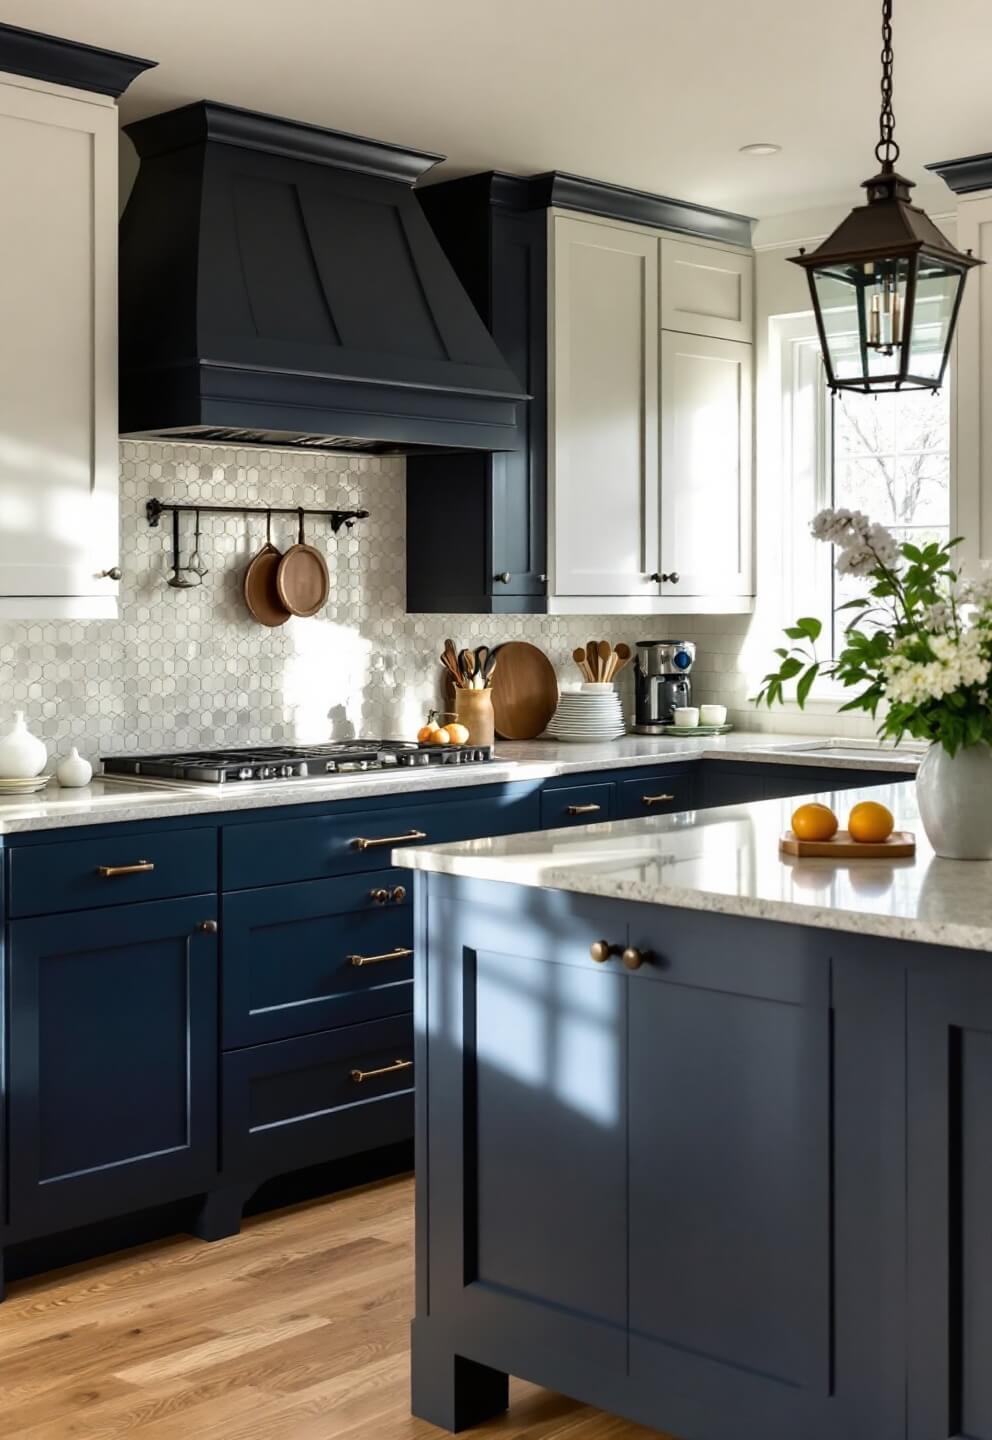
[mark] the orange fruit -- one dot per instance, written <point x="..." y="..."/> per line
<point x="814" y="822"/>
<point x="869" y="823"/>
<point x="428" y="731"/>
<point x="440" y="737"/>
<point x="458" y="734"/>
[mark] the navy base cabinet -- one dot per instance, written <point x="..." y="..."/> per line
<point x="678" y="1190"/>
<point x="113" y="1036"/>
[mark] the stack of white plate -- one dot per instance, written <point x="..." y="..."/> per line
<point x="591" y="713"/>
<point x="24" y="787"/>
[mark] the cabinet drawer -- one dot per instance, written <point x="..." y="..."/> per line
<point x="283" y="850"/>
<point x="576" y="805"/>
<point x="112" y="870"/>
<point x="301" y="1102"/>
<point x="657" y="795"/>
<point x="299" y="958"/>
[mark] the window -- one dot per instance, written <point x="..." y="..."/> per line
<point x="889" y="456"/>
<point x="886" y="455"/>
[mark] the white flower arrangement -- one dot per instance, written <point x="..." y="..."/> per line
<point x="921" y="638"/>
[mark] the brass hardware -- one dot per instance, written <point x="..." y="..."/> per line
<point x="378" y="896"/>
<point x="398" y="894"/>
<point x="503" y="577"/>
<point x="634" y="958"/>
<point x="207" y="927"/>
<point x="400" y="953"/>
<point x="361" y="843"/>
<point x="140" y="867"/>
<point x="114" y="573"/>
<point x="583" y="809"/>
<point x="656" y="799"/>
<point x="601" y="950"/>
<point x="359" y="1075"/>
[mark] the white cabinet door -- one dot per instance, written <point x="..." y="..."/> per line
<point x="58" y="353"/>
<point x="604" y="410"/>
<point x="706" y="402"/>
<point x="706" y="290"/>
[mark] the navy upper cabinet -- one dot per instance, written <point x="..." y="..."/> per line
<point x="494" y="230"/>
<point x="113" y="1060"/>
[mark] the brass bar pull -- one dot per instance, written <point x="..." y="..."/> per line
<point x="361" y="843"/>
<point x="359" y="1075"/>
<point x="656" y="799"/>
<point x="400" y="953"/>
<point x="584" y="809"/>
<point x="140" y="867"/>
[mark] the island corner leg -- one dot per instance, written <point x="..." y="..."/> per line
<point x="448" y="1390"/>
<point x="219" y="1216"/>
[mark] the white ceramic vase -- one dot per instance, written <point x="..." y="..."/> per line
<point x="955" y="799"/>
<point x="73" y="771"/>
<point x="22" y="755"/>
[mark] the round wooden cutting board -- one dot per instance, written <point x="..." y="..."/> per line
<point x="525" y="691"/>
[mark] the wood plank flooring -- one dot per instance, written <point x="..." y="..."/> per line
<point x="297" y="1329"/>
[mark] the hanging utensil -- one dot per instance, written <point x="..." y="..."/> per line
<point x="196" y="564"/>
<point x="259" y="584"/>
<point x="178" y="580"/>
<point x="302" y="579"/>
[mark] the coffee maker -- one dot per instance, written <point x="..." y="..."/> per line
<point x="661" y="683"/>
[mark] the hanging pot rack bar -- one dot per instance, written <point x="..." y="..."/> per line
<point x="155" y="509"/>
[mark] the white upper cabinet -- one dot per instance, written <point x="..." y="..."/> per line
<point x="604" y="410"/>
<point x="706" y="290"/>
<point x="58" y="352"/>
<point x="705" y="466"/>
<point x="650" y="422"/>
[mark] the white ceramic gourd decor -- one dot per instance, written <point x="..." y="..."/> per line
<point x="73" y="770"/>
<point x="22" y="755"/>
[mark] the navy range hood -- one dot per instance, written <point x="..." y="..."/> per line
<point x="280" y="286"/>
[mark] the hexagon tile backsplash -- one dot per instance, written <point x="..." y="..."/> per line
<point x="190" y="668"/>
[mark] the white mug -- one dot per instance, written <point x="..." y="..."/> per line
<point x="712" y="714"/>
<point x="686" y="717"/>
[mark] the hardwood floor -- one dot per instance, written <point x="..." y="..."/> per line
<point x="294" y="1330"/>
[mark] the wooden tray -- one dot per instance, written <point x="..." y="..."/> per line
<point x="525" y="691"/>
<point x="900" y="845"/>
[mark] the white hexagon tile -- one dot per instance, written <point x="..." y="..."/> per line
<point x="183" y="668"/>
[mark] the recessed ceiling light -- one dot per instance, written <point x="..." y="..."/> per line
<point x="761" y="147"/>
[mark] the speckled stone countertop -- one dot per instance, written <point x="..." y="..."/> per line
<point x="120" y="801"/>
<point x="727" y="860"/>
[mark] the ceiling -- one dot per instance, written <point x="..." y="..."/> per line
<point x="655" y="94"/>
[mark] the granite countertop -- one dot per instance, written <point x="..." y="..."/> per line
<point x="727" y="860"/>
<point x="118" y="801"/>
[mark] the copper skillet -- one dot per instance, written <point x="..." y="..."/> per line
<point x="259" y="586"/>
<point x="302" y="579"/>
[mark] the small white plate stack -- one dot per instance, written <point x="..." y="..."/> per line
<point x="592" y="712"/>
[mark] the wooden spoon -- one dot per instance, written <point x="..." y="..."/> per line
<point x="592" y="658"/>
<point x="622" y="653"/>
<point x="579" y="656"/>
<point x="605" y="651"/>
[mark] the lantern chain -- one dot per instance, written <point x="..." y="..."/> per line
<point x="887" y="151"/>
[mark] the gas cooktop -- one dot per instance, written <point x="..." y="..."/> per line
<point x="293" y="762"/>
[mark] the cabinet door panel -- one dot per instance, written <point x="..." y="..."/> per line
<point x="950" y="1200"/>
<point x="605" y="409"/>
<point x="706" y="291"/>
<point x="58" y="360"/>
<point x="525" y="1055"/>
<point x="706" y="465"/>
<point x="113" y="1060"/>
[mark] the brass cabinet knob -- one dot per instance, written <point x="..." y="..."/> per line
<point x="207" y="927"/>
<point x="634" y="958"/>
<point x="114" y="573"/>
<point x="601" y="950"/>
<point x="398" y="894"/>
<point x="378" y="896"/>
<point x="503" y="577"/>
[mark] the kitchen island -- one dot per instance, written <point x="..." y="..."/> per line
<point x="704" y="1134"/>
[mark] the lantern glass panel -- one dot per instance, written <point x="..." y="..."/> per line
<point x="838" y="298"/>
<point x="863" y="308"/>
<point x="937" y="287"/>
